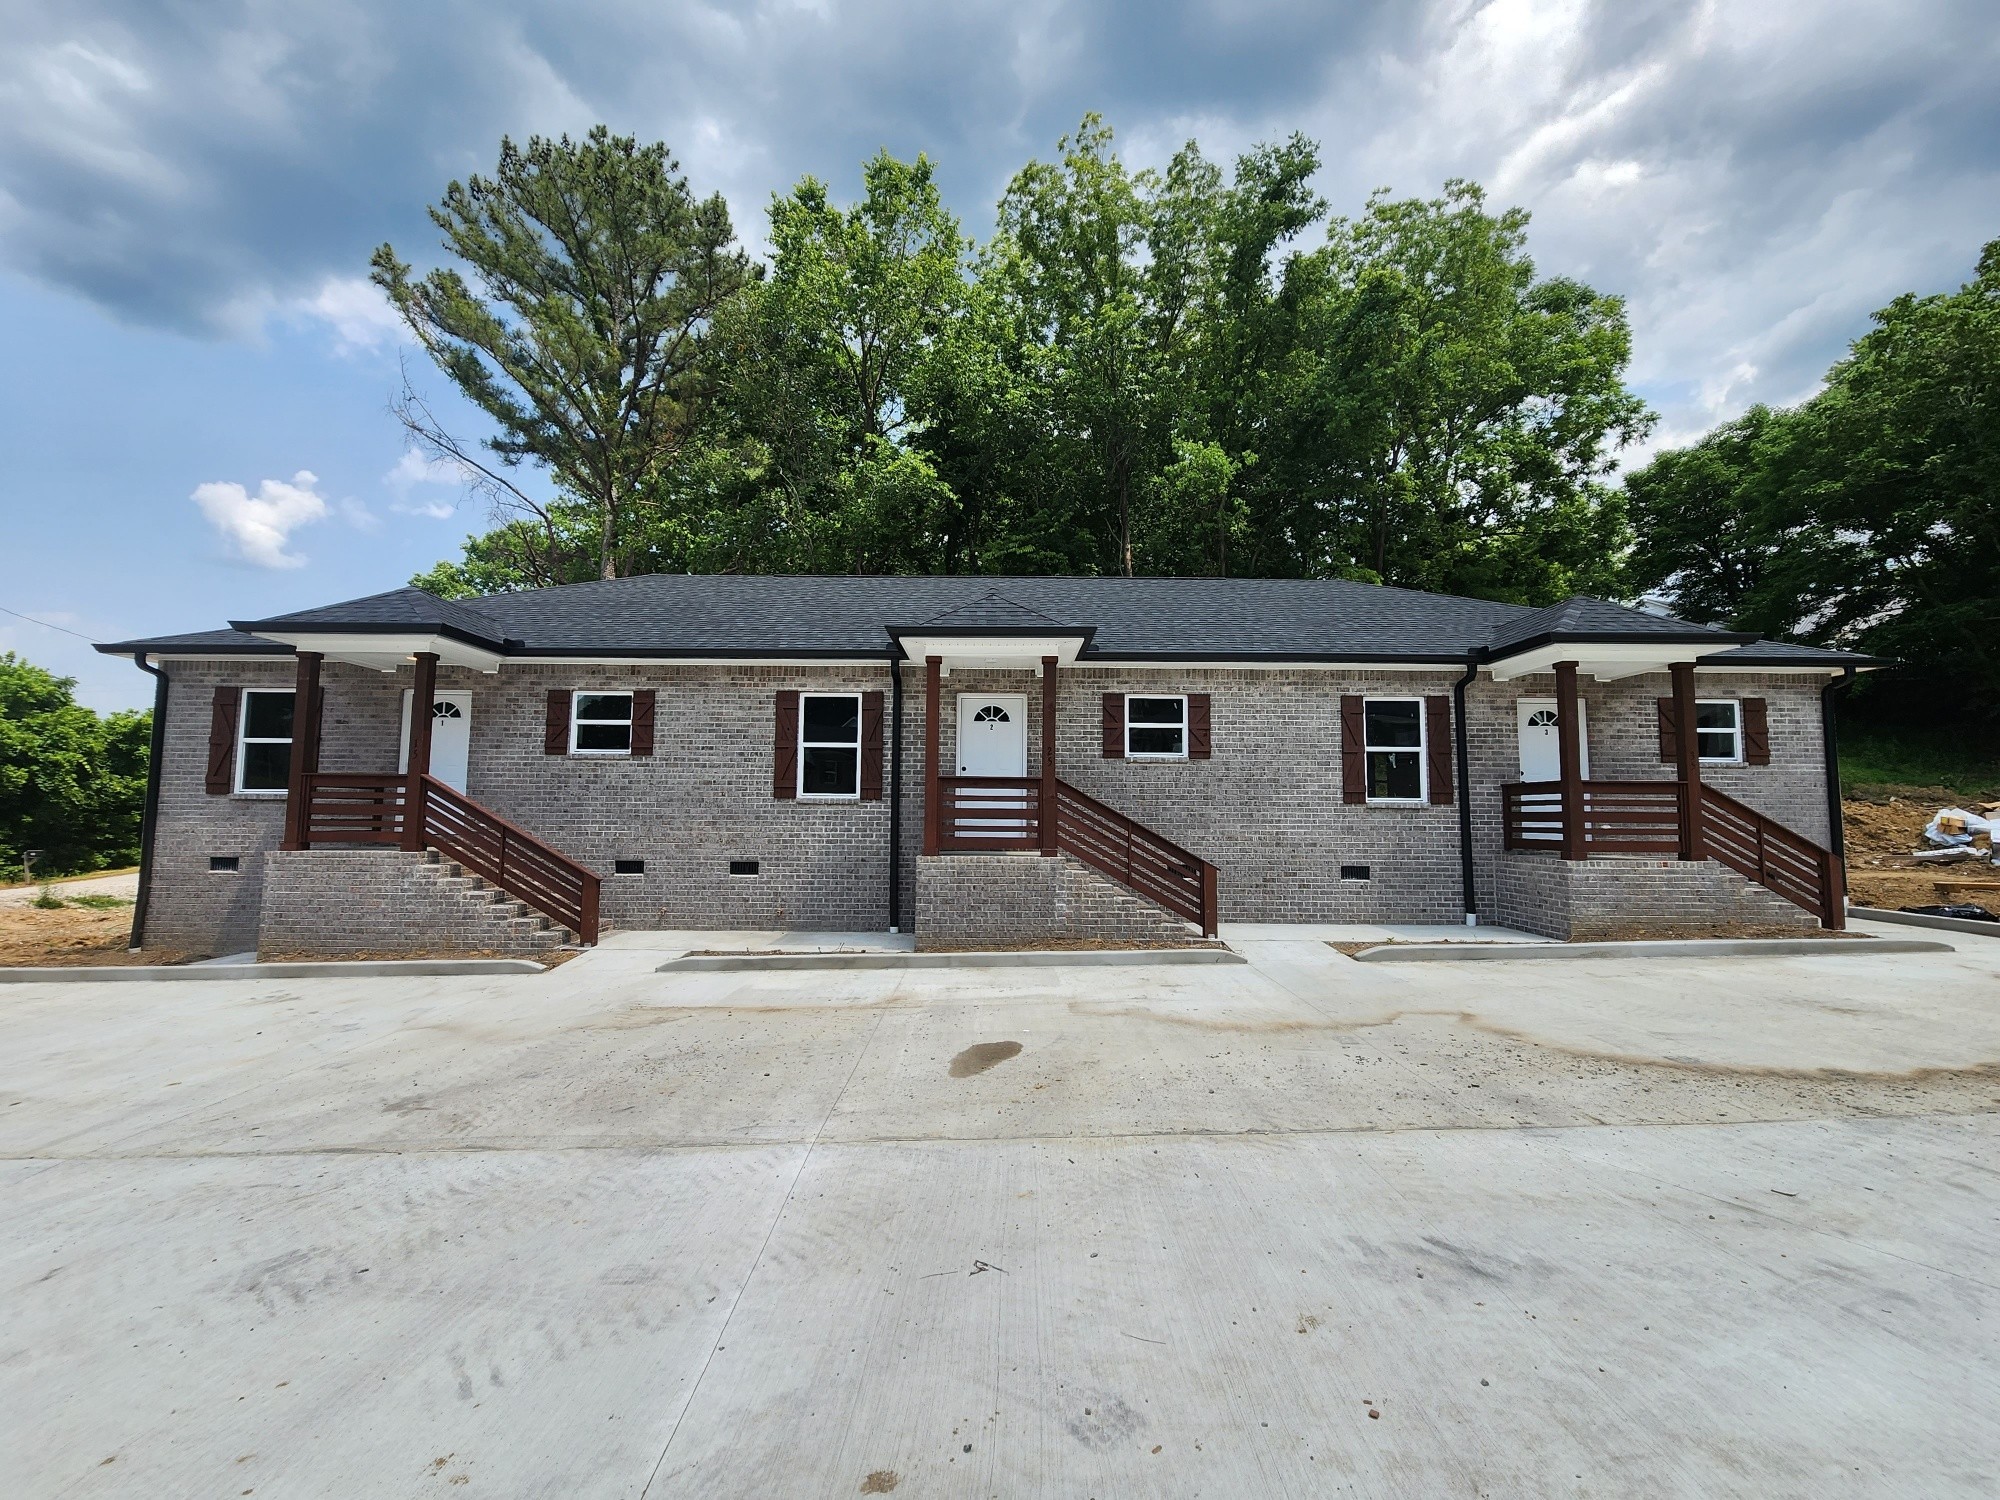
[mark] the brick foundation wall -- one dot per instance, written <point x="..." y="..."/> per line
<point x="1008" y="900"/>
<point x="335" y="901"/>
<point x="1589" y="900"/>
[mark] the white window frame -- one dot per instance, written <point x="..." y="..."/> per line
<point x="1421" y="750"/>
<point x="1735" y="731"/>
<point x="244" y="739"/>
<point x="577" y="695"/>
<point x="799" y="789"/>
<point x="1182" y="753"/>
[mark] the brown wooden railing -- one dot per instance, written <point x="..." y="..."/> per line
<point x="1619" y="817"/>
<point x="1133" y="854"/>
<point x="989" y="813"/>
<point x="1004" y="814"/>
<point x="349" y="808"/>
<point x="1650" y="817"/>
<point x="1761" y="849"/>
<point x="352" y="808"/>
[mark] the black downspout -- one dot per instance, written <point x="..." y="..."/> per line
<point x="896" y="795"/>
<point x="151" y="816"/>
<point x="1468" y="891"/>
<point x="1829" y="714"/>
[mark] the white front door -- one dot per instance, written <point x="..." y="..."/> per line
<point x="1541" y="752"/>
<point x="992" y="734"/>
<point x="451" y="737"/>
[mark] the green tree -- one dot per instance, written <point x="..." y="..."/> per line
<point x="1701" y="517"/>
<point x="1869" y="516"/>
<point x="1443" y="418"/>
<point x="1139" y="371"/>
<point x="826" y="370"/>
<point x="1084" y="320"/>
<point x="595" y="275"/>
<point x="72" y="785"/>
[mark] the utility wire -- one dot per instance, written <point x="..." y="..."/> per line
<point x="4" y="610"/>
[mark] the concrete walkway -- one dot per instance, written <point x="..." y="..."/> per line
<point x="1300" y="1227"/>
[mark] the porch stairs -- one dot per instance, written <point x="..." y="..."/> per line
<point x="486" y="911"/>
<point x="1009" y="865"/>
<point x="347" y="901"/>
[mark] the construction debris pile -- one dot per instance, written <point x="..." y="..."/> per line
<point x="1953" y="836"/>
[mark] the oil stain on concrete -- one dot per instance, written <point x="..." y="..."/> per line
<point x="982" y="1055"/>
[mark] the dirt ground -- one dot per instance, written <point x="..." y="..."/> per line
<point x="1883" y="830"/>
<point x="69" y="936"/>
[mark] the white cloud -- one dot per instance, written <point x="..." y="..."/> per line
<point x="357" y="312"/>
<point x="414" y="469"/>
<point x="357" y="515"/>
<point x="258" y="529"/>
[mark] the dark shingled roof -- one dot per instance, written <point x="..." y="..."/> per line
<point x="235" y="642"/>
<point x="993" y="613"/>
<point x="404" y="609"/>
<point x="1164" y="619"/>
<point x="1580" y="618"/>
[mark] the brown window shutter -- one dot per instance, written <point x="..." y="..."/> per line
<point x="1114" y="726"/>
<point x="1353" y="763"/>
<point x="785" y="746"/>
<point x="871" y="747"/>
<point x="1437" y="746"/>
<point x="1756" y="733"/>
<point x="1198" y="744"/>
<point x="642" y="721"/>
<point x="222" y="741"/>
<point x="1670" y="730"/>
<point x="555" y="734"/>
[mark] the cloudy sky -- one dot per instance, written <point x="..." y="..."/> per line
<point x="193" y="395"/>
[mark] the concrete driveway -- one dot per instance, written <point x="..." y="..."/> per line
<point x="1302" y="1227"/>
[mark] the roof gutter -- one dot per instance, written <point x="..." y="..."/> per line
<point x="150" y="818"/>
<point x="1829" y="714"/>
<point x="896" y="796"/>
<point x="1468" y="890"/>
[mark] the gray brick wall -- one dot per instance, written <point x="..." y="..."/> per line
<point x="1623" y="722"/>
<point x="190" y="909"/>
<point x="1010" y="900"/>
<point x="330" y="902"/>
<point x="1265" y="808"/>
<point x="1591" y="899"/>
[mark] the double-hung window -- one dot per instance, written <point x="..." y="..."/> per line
<point x="1718" y="730"/>
<point x="830" y="745"/>
<point x="1392" y="738"/>
<point x="600" y="724"/>
<point x="1156" y="728"/>
<point x="264" y="742"/>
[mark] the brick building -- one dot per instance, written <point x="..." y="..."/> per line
<point x="839" y="753"/>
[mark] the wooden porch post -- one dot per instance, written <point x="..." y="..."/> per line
<point x="1569" y="742"/>
<point x="1048" y="798"/>
<point x="933" y="672"/>
<point x="1687" y="761"/>
<point x="305" y="750"/>
<point x="423" y="699"/>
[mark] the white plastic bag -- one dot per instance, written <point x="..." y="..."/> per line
<point x="1954" y="826"/>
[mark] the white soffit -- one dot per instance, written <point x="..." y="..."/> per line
<point x="386" y="652"/>
<point x="1011" y="652"/>
<point x="1606" y="663"/>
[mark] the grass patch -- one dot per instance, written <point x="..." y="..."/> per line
<point x="96" y="901"/>
<point x="1961" y="762"/>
